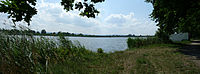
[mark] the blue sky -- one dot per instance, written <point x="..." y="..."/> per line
<point x="138" y="7"/>
<point x="116" y="17"/>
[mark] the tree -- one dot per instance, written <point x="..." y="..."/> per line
<point x="25" y="9"/>
<point x="37" y="32"/>
<point x="43" y="31"/>
<point x="176" y="16"/>
<point x="54" y="33"/>
<point x="59" y="33"/>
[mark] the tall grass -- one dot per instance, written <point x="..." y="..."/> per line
<point x="138" y="42"/>
<point x="27" y="54"/>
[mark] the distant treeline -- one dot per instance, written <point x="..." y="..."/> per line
<point x="44" y="33"/>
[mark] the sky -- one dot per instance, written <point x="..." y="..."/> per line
<point x="117" y="17"/>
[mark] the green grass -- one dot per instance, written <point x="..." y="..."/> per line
<point x="182" y="42"/>
<point x="152" y="59"/>
<point x="163" y="59"/>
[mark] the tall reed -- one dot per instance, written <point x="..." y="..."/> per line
<point x="138" y="42"/>
<point x="28" y="54"/>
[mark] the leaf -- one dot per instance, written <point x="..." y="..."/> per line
<point x="5" y="2"/>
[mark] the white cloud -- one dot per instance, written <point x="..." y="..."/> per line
<point x="52" y="17"/>
<point x="120" y="19"/>
<point x="128" y="24"/>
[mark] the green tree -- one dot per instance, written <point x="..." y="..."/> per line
<point x="20" y="10"/>
<point x="177" y="16"/>
<point x="43" y="31"/>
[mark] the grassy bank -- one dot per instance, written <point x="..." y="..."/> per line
<point x="163" y="58"/>
<point x="26" y="54"/>
<point x="152" y="59"/>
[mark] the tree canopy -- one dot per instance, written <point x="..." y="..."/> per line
<point x="24" y="10"/>
<point x="177" y="15"/>
<point x="43" y="31"/>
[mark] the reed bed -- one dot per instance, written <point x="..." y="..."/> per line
<point x="139" y="42"/>
<point x="27" y="54"/>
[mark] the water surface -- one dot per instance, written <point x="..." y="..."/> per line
<point x="108" y="44"/>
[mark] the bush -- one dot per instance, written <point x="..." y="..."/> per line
<point x="100" y="50"/>
<point x="138" y="42"/>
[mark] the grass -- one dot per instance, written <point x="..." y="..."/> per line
<point x="26" y="54"/>
<point x="152" y="59"/>
<point x="183" y="42"/>
<point x="163" y="59"/>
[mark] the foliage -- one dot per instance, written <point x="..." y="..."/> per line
<point x="177" y="16"/>
<point x="43" y="31"/>
<point x="20" y="10"/>
<point x="27" y="54"/>
<point x="135" y="43"/>
<point x="99" y="50"/>
<point x="162" y="35"/>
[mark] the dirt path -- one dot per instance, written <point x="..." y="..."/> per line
<point x="195" y="42"/>
<point x="193" y="50"/>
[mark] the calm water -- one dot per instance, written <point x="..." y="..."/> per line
<point x="108" y="44"/>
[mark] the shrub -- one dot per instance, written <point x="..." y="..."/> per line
<point x="100" y="50"/>
<point x="138" y="42"/>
